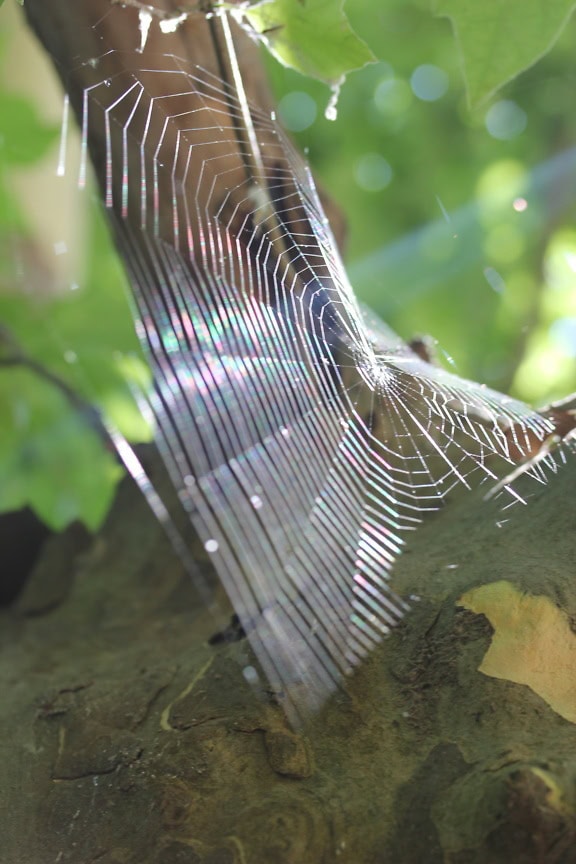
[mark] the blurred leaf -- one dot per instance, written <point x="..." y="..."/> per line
<point x="10" y="218"/>
<point x="419" y="249"/>
<point x="498" y="39"/>
<point x="24" y="137"/>
<point x="86" y="336"/>
<point x="312" y="36"/>
<point x="50" y="456"/>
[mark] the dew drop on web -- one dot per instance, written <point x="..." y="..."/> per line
<point x="331" y="111"/>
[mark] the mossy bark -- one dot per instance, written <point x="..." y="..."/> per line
<point x="127" y="737"/>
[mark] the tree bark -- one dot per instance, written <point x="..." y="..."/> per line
<point x="82" y="38"/>
<point x="128" y="737"/>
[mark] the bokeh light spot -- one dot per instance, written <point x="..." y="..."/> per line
<point x="505" y="120"/>
<point x="495" y="280"/>
<point x="372" y="172"/>
<point x="499" y="186"/>
<point x="560" y="262"/>
<point x="429" y="83"/>
<point x="297" y="110"/>
<point x="563" y="334"/>
<point x="392" y="97"/>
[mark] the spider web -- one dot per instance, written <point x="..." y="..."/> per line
<point x="303" y="437"/>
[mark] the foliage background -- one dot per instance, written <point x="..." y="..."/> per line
<point x="461" y="226"/>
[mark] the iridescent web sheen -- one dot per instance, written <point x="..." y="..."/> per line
<point x="303" y="438"/>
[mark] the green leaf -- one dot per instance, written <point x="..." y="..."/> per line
<point x="498" y="39"/>
<point x="24" y="137"/>
<point x="86" y="336"/>
<point x="51" y="458"/>
<point x="312" y="36"/>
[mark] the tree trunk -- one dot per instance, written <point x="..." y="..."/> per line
<point x="129" y="737"/>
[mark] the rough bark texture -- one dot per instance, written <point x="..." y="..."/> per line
<point x="127" y="737"/>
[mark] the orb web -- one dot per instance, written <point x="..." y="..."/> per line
<point x="303" y="437"/>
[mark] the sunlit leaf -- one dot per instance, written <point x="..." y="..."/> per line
<point x="312" y="36"/>
<point x="498" y="39"/>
